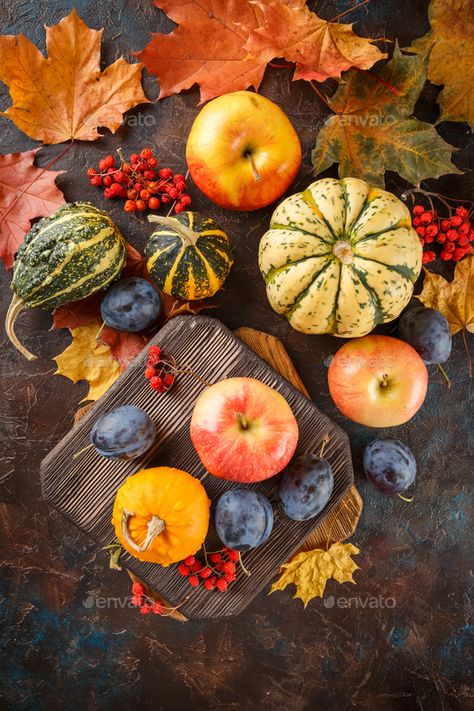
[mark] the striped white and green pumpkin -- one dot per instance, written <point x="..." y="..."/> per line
<point x="65" y="257"/>
<point x="188" y="256"/>
<point x="340" y="257"/>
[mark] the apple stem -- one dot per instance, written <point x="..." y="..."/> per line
<point x="255" y="172"/>
<point x="81" y="451"/>
<point x="243" y="420"/>
<point x="323" y="445"/>
<point x="445" y="375"/>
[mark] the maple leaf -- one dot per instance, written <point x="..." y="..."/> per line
<point x="224" y="45"/>
<point x="451" y="60"/>
<point x="86" y="359"/>
<point x="26" y="192"/>
<point x="455" y="299"/>
<point x="373" y="130"/>
<point x="66" y="96"/>
<point x="309" y="571"/>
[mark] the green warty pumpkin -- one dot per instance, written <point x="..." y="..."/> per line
<point x="188" y="256"/>
<point x="65" y="257"/>
<point x="340" y="257"/>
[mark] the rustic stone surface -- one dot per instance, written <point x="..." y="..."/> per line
<point x="71" y="638"/>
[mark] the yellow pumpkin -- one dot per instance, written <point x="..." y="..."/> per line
<point x="161" y="515"/>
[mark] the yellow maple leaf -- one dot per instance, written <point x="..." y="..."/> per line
<point x="65" y="96"/>
<point x="455" y="299"/>
<point x="309" y="571"/>
<point x="87" y="359"/>
<point x="451" y="57"/>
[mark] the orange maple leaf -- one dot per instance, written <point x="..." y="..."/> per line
<point x="224" y="45"/>
<point x="26" y="192"/>
<point x="65" y="96"/>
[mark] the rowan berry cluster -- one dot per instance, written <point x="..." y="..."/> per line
<point x="140" y="182"/>
<point x="454" y="234"/>
<point x="147" y="604"/>
<point x="159" y="369"/>
<point x="216" y="572"/>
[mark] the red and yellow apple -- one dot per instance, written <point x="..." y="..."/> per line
<point x="243" y="430"/>
<point x="378" y="381"/>
<point x="243" y="152"/>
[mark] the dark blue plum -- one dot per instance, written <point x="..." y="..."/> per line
<point x="125" y="432"/>
<point x="427" y="331"/>
<point x="389" y="465"/>
<point x="244" y="519"/>
<point x="130" y="305"/>
<point x="306" y="486"/>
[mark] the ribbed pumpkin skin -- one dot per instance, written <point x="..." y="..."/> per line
<point x="68" y="256"/>
<point x="189" y="257"/>
<point x="340" y="257"/>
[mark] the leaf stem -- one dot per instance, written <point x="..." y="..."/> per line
<point x="321" y="95"/>
<point x="469" y="362"/>
<point x="346" y="12"/>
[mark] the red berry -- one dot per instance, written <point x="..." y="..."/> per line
<point x="107" y="180"/>
<point x="468" y="249"/>
<point x="451" y="235"/>
<point x="115" y="189"/>
<point x="196" y="567"/>
<point x="152" y="162"/>
<point x="425" y="258"/>
<point x="134" y="158"/>
<point x="221" y="585"/>
<point x="168" y="379"/>
<point x="137" y="600"/>
<point x="165" y="199"/>
<point x="149" y="174"/>
<point x="91" y="172"/>
<point x="119" y="176"/>
<point x="233" y="555"/>
<point x="137" y="186"/>
<point x="180" y="185"/>
<point x="462" y="212"/>
<point x="209" y="585"/>
<point x="422" y="241"/>
<point x="106" y="163"/>
<point x="178" y="178"/>
<point x="158" y="608"/>
<point x="190" y="560"/>
<point x="463" y="241"/>
<point x="137" y="589"/>
<point x="219" y="566"/>
<point x="418" y="210"/>
<point x="464" y="228"/>
<point x="185" y="200"/>
<point x="165" y="173"/>
<point x="432" y="230"/>
<point x="156" y="382"/>
<point x="229" y="567"/>
<point x="130" y="206"/>
<point x="141" y="205"/>
<point x="429" y="239"/>
<point x="173" y="193"/>
<point x="420" y="231"/>
<point x="445" y="225"/>
<point x="178" y="208"/>
<point x="153" y="203"/>
<point x="458" y="254"/>
<point x="127" y="169"/>
<point x="193" y="580"/>
<point x="455" y="221"/>
<point x="205" y="572"/>
<point x="184" y="569"/>
<point x="446" y="255"/>
<point x="215" y="557"/>
<point x="415" y="222"/>
<point x="149" y="372"/>
<point x="449" y="247"/>
<point x="146" y="154"/>
<point x="96" y="180"/>
<point x="145" y="609"/>
<point x="145" y="195"/>
<point x="441" y="238"/>
<point x="230" y="577"/>
<point x="426" y="218"/>
<point x="153" y="186"/>
<point x="108" y="194"/>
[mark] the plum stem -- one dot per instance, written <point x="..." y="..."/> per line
<point x="81" y="451"/>
<point x="404" y="498"/>
<point x="326" y="439"/>
<point x="244" y="569"/>
<point x="445" y="375"/>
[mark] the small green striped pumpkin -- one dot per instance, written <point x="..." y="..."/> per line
<point x="340" y="257"/>
<point x="65" y="257"/>
<point x="188" y="256"/>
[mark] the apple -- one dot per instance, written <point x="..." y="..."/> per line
<point x="243" y="152"/>
<point x="378" y="381"/>
<point x="243" y="430"/>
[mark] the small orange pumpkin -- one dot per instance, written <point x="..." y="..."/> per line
<point x="161" y="515"/>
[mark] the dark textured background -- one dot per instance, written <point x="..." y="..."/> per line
<point x="61" y="648"/>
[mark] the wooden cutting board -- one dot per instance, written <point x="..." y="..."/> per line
<point x="83" y="489"/>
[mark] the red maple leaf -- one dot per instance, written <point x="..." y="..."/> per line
<point x="26" y="192"/>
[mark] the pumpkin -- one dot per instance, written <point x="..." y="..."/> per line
<point x="340" y="257"/>
<point x="161" y="515"/>
<point x="188" y="256"/>
<point x="65" y="257"/>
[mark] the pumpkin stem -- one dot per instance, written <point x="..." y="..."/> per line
<point x="17" y="305"/>
<point x="343" y="251"/>
<point x="155" y="526"/>
<point x="189" y="236"/>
